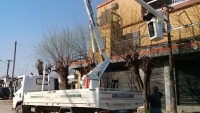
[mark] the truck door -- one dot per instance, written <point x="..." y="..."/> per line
<point x="18" y="84"/>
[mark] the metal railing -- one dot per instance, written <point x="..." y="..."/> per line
<point x="178" y="1"/>
<point x="172" y="1"/>
<point x="108" y="18"/>
<point x="155" y="3"/>
<point x="125" y="45"/>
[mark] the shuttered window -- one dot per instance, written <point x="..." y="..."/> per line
<point x="157" y="79"/>
<point x="188" y="82"/>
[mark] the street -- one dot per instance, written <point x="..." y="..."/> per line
<point x="6" y="106"/>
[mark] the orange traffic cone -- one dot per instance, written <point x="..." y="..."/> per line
<point x="86" y="83"/>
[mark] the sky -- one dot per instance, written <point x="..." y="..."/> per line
<point x="25" y="21"/>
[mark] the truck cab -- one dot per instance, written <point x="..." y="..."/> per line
<point x="31" y="83"/>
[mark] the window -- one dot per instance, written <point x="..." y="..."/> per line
<point x="18" y="84"/>
<point x="126" y="43"/>
<point x="39" y="81"/>
<point x="130" y="40"/>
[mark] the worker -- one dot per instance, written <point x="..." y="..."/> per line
<point x="148" y="16"/>
<point x="155" y="100"/>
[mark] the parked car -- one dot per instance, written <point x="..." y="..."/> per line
<point x="4" y="92"/>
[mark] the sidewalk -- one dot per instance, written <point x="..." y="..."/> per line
<point x="163" y="111"/>
<point x="180" y="109"/>
<point x="141" y="110"/>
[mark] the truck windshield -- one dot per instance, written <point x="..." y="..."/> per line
<point x="18" y="84"/>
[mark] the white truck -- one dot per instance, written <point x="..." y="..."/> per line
<point x="41" y="95"/>
<point x="29" y="98"/>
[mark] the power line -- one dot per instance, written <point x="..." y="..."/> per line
<point x="26" y="56"/>
<point x="5" y="52"/>
<point x="3" y="66"/>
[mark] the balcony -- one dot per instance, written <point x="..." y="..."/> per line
<point x="126" y="43"/>
<point x="158" y="4"/>
<point x="178" y="1"/>
<point x="108" y="18"/>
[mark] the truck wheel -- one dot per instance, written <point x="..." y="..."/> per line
<point x="18" y="109"/>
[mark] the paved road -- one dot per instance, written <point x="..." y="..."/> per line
<point x="6" y="106"/>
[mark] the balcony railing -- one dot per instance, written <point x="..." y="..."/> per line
<point x="178" y="1"/>
<point x="108" y="18"/>
<point x="157" y="4"/>
<point x="127" y="43"/>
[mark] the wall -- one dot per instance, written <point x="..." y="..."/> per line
<point x="130" y="12"/>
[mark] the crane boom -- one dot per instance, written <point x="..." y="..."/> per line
<point x="152" y="10"/>
<point x="95" y="74"/>
<point x="93" y="44"/>
<point x="156" y="26"/>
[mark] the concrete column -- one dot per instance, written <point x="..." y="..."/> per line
<point x="167" y="86"/>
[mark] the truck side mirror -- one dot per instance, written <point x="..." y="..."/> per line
<point x="155" y="29"/>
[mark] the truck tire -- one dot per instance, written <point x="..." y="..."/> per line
<point x="18" y="109"/>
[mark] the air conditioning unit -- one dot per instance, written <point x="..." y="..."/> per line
<point x="114" y="6"/>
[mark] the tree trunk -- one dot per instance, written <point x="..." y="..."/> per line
<point x="145" y="92"/>
<point x="62" y="83"/>
<point x="137" y="79"/>
<point x="63" y="73"/>
<point x="147" y="74"/>
<point x="66" y="82"/>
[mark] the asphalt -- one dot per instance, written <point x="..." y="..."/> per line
<point x="6" y="106"/>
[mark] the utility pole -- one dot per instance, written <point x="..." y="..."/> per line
<point x="8" y="69"/>
<point x="11" y="83"/>
<point x="171" y="74"/>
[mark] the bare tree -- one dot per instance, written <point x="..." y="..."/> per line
<point x="59" y="48"/>
<point x="127" y="20"/>
<point x="130" y="81"/>
<point x="146" y="82"/>
<point x="106" y="80"/>
<point x="39" y="66"/>
<point x="81" y="45"/>
<point x="81" y="48"/>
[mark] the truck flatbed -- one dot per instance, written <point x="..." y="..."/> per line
<point x="110" y="99"/>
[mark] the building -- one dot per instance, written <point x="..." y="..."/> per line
<point x="6" y="82"/>
<point x="123" y="18"/>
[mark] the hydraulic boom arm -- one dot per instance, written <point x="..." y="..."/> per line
<point x="156" y="28"/>
<point x="150" y="9"/>
<point x="95" y="74"/>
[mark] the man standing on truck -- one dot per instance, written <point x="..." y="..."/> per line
<point x="155" y="100"/>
